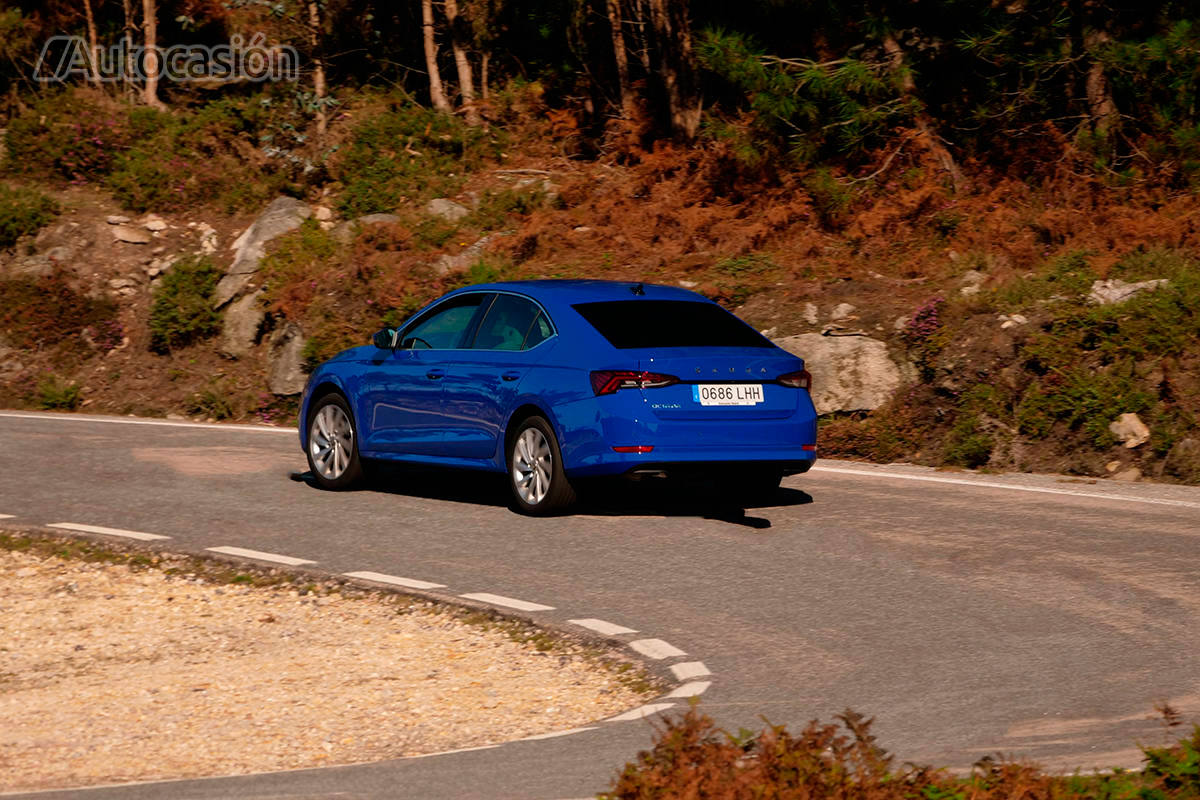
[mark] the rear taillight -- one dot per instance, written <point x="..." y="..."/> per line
<point x="796" y="380"/>
<point x="608" y="381"/>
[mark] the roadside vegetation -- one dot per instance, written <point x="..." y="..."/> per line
<point x="692" y="758"/>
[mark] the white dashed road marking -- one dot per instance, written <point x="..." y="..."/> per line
<point x="656" y="648"/>
<point x="508" y="602"/>
<point x="7" y="516"/>
<point x="75" y="526"/>
<point x="260" y="556"/>
<point x="693" y="689"/>
<point x="600" y="626"/>
<point x="379" y="577"/>
<point x="641" y="713"/>
<point x="690" y="669"/>
<point x="554" y="735"/>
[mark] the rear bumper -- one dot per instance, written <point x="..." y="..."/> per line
<point x="590" y="429"/>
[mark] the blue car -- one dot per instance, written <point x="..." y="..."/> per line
<point x="552" y="381"/>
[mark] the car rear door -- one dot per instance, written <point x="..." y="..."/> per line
<point x="513" y="335"/>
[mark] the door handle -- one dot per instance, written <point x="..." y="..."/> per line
<point x="511" y="375"/>
<point x="435" y="374"/>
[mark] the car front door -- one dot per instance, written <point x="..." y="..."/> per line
<point x="487" y="375"/>
<point x="402" y="392"/>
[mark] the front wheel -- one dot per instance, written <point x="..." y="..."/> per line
<point x="333" y="444"/>
<point x="535" y="471"/>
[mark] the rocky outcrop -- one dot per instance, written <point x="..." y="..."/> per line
<point x="1110" y="292"/>
<point x="446" y="209"/>
<point x="460" y="261"/>
<point x="850" y="373"/>
<point x="287" y="375"/>
<point x="283" y="215"/>
<point x="243" y="322"/>
<point x="1183" y="461"/>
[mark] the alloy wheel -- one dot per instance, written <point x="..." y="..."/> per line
<point x="331" y="442"/>
<point x="532" y="466"/>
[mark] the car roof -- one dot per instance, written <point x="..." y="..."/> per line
<point x="569" y="292"/>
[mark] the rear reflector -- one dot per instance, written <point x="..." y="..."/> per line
<point x="808" y="448"/>
<point x="637" y="448"/>
<point x="609" y="381"/>
<point x="796" y="380"/>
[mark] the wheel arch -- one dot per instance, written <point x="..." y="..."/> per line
<point x="522" y="412"/>
<point x="326" y="385"/>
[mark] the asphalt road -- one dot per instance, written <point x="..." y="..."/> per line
<point x="1030" y="615"/>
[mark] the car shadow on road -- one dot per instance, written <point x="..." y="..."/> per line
<point x="611" y="497"/>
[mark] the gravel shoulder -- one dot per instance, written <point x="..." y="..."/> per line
<point x="125" y="665"/>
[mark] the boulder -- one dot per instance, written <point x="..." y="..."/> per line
<point x="243" y="322"/>
<point x="446" y="209"/>
<point x="130" y="235"/>
<point x="283" y="215"/>
<point x="842" y="311"/>
<point x="809" y="313"/>
<point x="322" y="213"/>
<point x="1129" y="475"/>
<point x="850" y="373"/>
<point x="460" y="261"/>
<point x="287" y="376"/>
<point x="208" y="238"/>
<point x="1110" y="292"/>
<point x="153" y="222"/>
<point x="1130" y="430"/>
<point x="1183" y="461"/>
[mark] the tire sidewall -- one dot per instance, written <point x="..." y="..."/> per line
<point x="354" y="471"/>
<point x="560" y="494"/>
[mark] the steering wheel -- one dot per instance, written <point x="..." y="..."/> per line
<point x="412" y="340"/>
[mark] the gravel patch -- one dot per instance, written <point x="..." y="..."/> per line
<point x="112" y="672"/>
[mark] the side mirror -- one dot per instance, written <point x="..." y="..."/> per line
<point x="385" y="339"/>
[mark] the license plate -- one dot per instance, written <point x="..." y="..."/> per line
<point x="727" y="394"/>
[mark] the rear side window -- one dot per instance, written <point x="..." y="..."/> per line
<point x="508" y="325"/>
<point x="629" y="324"/>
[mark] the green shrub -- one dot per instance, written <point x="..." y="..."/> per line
<point x="182" y="312"/>
<point x="831" y="199"/>
<point x="22" y="212"/>
<point x="410" y="153"/>
<point x="37" y="312"/>
<point x="55" y="394"/>
<point x="495" y="208"/>
<point x="966" y="445"/>
<point x="750" y="264"/>
<point x="67" y="137"/>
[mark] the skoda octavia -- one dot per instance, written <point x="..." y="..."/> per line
<point x="553" y="381"/>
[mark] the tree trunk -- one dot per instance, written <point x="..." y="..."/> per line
<point x="127" y="36"/>
<point x="676" y="65"/>
<point x="622" y="57"/>
<point x="93" y="44"/>
<point x="926" y="129"/>
<point x="314" y="43"/>
<point x="437" y="94"/>
<point x="485" y="61"/>
<point x="466" y="82"/>
<point x="150" y="60"/>
<point x="1101" y="108"/>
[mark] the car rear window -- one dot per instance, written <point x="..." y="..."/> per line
<point x="629" y="324"/>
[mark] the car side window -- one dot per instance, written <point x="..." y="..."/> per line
<point x="507" y="324"/>
<point x="540" y="332"/>
<point x="442" y="328"/>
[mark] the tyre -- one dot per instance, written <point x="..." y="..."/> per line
<point x="535" y="470"/>
<point x="333" y="444"/>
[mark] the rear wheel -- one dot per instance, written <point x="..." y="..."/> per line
<point x="333" y="444"/>
<point x="535" y="471"/>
